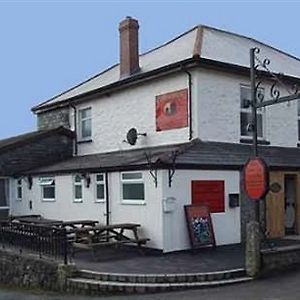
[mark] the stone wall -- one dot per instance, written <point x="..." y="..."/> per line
<point x="280" y="259"/>
<point x="30" y="271"/>
<point x="53" y="118"/>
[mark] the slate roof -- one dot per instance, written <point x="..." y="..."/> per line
<point x="193" y="155"/>
<point x="203" y="42"/>
<point x="26" y="138"/>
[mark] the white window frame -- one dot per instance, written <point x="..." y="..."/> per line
<point x="77" y="183"/>
<point x="46" y="182"/>
<point x="260" y="111"/>
<point x="19" y="185"/>
<point x="100" y="182"/>
<point x="128" y="181"/>
<point x="80" y="121"/>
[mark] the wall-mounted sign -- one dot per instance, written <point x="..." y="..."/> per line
<point x="256" y="179"/>
<point x="275" y="187"/>
<point x="172" y="110"/>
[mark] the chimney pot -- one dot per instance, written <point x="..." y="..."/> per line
<point x="129" y="47"/>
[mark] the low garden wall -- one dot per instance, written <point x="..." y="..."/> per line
<point x="30" y="271"/>
<point x="281" y="258"/>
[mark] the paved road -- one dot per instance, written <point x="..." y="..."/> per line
<point x="279" y="287"/>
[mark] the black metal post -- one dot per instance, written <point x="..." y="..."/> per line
<point x="254" y="116"/>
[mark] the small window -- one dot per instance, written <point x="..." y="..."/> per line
<point x="246" y="114"/>
<point x="78" y="182"/>
<point x="100" y="188"/>
<point x="85" y="123"/>
<point x="19" y="189"/>
<point x="48" y="188"/>
<point x="133" y="189"/>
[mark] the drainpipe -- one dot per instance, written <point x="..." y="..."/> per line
<point x="190" y="102"/>
<point x="75" y="129"/>
<point x="107" y="213"/>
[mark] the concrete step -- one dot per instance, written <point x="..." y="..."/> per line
<point x="162" y="278"/>
<point x="98" y="287"/>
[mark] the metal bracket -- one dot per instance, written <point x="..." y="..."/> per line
<point x="153" y="171"/>
<point x="171" y="171"/>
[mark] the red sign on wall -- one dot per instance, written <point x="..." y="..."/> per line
<point x="256" y="178"/>
<point x="172" y="110"/>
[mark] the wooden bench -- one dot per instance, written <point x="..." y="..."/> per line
<point x="107" y="235"/>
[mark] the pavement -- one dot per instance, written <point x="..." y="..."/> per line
<point x="281" y="286"/>
<point x="129" y="260"/>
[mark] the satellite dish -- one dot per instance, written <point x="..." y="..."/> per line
<point x="132" y="136"/>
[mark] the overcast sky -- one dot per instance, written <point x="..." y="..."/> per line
<point x="49" y="46"/>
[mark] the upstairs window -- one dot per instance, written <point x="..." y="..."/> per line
<point x="246" y="115"/>
<point x="48" y="188"/>
<point x="100" y="187"/>
<point x="133" y="190"/>
<point x="85" y="123"/>
<point x="19" y="189"/>
<point x="78" y="183"/>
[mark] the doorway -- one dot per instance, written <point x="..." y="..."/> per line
<point x="290" y="204"/>
<point x="4" y="198"/>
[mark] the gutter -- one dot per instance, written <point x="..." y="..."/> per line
<point x="190" y="102"/>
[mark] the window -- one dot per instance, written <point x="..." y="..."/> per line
<point x="78" y="181"/>
<point x="48" y="188"/>
<point x="298" y="103"/>
<point x="133" y="190"/>
<point x="19" y="189"/>
<point x="85" y="123"/>
<point x="100" y="188"/>
<point x="246" y="116"/>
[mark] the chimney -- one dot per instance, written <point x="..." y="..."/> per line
<point x="129" y="47"/>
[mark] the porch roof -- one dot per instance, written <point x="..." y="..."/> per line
<point x="192" y="155"/>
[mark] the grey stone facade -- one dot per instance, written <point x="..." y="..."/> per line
<point x="53" y="118"/>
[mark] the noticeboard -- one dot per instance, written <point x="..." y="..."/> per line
<point x="199" y="226"/>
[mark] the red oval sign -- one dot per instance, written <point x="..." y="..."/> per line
<point x="255" y="178"/>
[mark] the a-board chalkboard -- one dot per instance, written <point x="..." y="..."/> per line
<point x="199" y="226"/>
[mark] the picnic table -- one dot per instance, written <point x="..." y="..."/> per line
<point x="106" y="235"/>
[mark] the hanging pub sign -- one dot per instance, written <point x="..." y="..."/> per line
<point x="256" y="178"/>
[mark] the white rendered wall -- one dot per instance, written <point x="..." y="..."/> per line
<point x="64" y="208"/>
<point x="113" y="115"/>
<point x="226" y="225"/>
<point x="218" y="110"/>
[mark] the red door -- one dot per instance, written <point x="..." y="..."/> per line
<point x="209" y="193"/>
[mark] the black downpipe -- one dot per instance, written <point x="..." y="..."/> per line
<point x="190" y="102"/>
<point x="107" y="199"/>
<point x="75" y="129"/>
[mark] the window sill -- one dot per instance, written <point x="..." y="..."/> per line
<point x="100" y="201"/>
<point x="48" y="200"/>
<point x="133" y="202"/>
<point x="84" y="141"/>
<point x="77" y="201"/>
<point x="249" y="141"/>
<point x="19" y="200"/>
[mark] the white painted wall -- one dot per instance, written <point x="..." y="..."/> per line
<point x="226" y="225"/>
<point x="64" y="208"/>
<point x="114" y="114"/>
<point x="218" y="107"/>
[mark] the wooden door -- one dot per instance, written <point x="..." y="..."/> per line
<point x="275" y="210"/>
